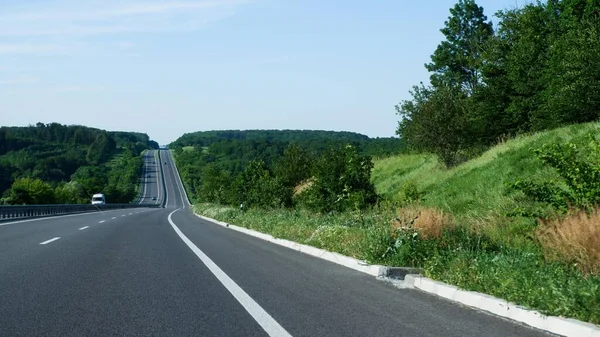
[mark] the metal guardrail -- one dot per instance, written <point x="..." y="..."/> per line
<point x="31" y="211"/>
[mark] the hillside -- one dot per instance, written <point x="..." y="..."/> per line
<point x="70" y="161"/>
<point x="312" y="140"/>
<point x="464" y="225"/>
<point x="476" y="189"/>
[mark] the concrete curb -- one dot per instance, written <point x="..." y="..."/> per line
<point x="374" y="270"/>
<point x="557" y="325"/>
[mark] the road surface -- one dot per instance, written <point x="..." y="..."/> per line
<point x="164" y="272"/>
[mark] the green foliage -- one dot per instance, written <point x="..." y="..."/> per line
<point x="294" y="166"/>
<point x="71" y="193"/>
<point x="436" y="121"/>
<point x="55" y="153"/>
<point x="101" y="149"/>
<point x="579" y="169"/>
<point x="457" y="61"/>
<point x="263" y="144"/>
<point x="410" y="192"/>
<point x="216" y="185"/>
<point x="30" y="191"/>
<point x="257" y="187"/>
<point x="342" y="182"/>
<point x="538" y="70"/>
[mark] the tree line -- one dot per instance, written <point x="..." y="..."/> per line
<point x="55" y="163"/>
<point x="324" y="171"/>
<point x="537" y="69"/>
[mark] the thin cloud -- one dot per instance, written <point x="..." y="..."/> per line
<point x="125" y="45"/>
<point x="19" y="80"/>
<point x="75" y="88"/>
<point x="27" y="48"/>
<point x="80" y="18"/>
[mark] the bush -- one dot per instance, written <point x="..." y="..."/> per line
<point x="30" y="191"/>
<point x="579" y="170"/>
<point x="410" y="192"/>
<point x="257" y="187"/>
<point x="341" y="182"/>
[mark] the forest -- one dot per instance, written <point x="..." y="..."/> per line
<point x="264" y="167"/>
<point x="55" y="163"/>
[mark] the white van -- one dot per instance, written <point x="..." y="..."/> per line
<point x="98" y="199"/>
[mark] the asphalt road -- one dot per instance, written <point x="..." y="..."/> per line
<point x="151" y="178"/>
<point x="165" y="272"/>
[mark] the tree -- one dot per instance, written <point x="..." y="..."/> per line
<point x="101" y="149"/>
<point x="71" y="193"/>
<point x="216" y="184"/>
<point x="572" y="94"/>
<point x="257" y="187"/>
<point x="457" y="61"/>
<point x="342" y="181"/>
<point x="30" y="191"/>
<point x="436" y="121"/>
<point x="294" y="166"/>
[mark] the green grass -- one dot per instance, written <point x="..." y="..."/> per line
<point x="342" y="233"/>
<point x="475" y="188"/>
<point x="188" y="148"/>
<point x="500" y="258"/>
<point x="116" y="158"/>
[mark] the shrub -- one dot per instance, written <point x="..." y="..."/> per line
<point x="341" y="182"/>
<point x="573" y="239"/>
<point x="579" y="171"/>
<point x="410" y="192"/>
<point x="31" y="191"/>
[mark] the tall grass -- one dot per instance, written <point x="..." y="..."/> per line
<point x="574" y="238"/>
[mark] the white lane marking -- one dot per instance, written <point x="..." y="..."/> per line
<point x="114" y="217"/>
<point x="101" y="221"/>
<point x="123" y="215"/>
<point x="177" y="178"/>
<point x="51" y="240"/>
<point x="84" y="227"/>
<point x="130" y="213"/>
<point x="268" y="323"/>
<point x="187" y="200"/>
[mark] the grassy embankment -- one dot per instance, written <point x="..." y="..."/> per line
<point x="472" y="232"/>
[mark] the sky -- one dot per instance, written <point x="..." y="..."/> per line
<point x="167" y="68"/>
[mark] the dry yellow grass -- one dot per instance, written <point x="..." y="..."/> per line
<point x="429" y="222"/>
<point x="574" y="238"/>
<point x="303" y="186"/>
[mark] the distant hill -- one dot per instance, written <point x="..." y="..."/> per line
<point x="312" y="140"/>
<point x="55" y="152"/>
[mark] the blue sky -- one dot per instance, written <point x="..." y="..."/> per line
<point x="170" y="67"/>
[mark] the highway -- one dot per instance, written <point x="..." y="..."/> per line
<point x="165" y="272"/>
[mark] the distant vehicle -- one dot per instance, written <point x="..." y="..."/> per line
<point x="98" y="199"/>
<point x="165" y="163"/>
<point x="153" y="198"/>
<point x="148" y="176"/>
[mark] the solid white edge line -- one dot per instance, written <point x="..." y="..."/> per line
<point x="176" y="176"/>
<point x="158" y="185"/>
<point x="187" y="200"/>
<point x="84" y="227"/>
<point x="51" y="240"/>
<point x="268" y="323"/>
